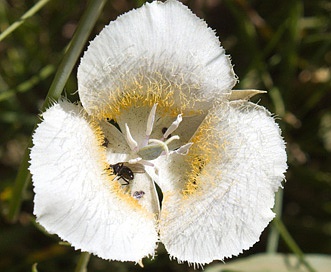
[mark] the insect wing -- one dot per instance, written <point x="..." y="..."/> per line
<point x="136" y="167"/>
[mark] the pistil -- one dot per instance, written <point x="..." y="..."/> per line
<point x="151" y="149"/>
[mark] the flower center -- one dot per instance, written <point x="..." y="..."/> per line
<point x="150" y="149"/>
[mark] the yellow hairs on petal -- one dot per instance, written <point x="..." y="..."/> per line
<point x="147" y="90"/>
<point x="207" y="148"/>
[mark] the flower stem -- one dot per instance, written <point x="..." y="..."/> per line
<point x="26" y="15"/>
<point x="82" y="262"/>
<point x="292" y="245"/>
<point x="76" y="45"/>
<point x="70" y="58"/>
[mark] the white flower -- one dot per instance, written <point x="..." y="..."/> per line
<point x="157" y="106"/>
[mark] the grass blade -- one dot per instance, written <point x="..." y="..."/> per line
<point x="27" y="15"/>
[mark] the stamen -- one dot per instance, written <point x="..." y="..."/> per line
<point x="175" y="137"/>
<point x="129" y="139"/>
<point x="150" y="124"/>
<point x="150" y="120"/>
<point x="173" y="126"/>
<point x="183" y="150"/>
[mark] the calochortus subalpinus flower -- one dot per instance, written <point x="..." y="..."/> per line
<point x="157" y="107"/>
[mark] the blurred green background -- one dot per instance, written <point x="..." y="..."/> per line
<point x="282" y="46"/>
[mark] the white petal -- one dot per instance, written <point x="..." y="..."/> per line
<point x="234" y="193"/>
<point x="161" y="50"/>
<point x="74" y="196"/>
<point x="169" y="173"/>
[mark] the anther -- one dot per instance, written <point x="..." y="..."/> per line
<point x="163" y="131"/>
<point x="150" y="120"/>
<point x="131" y="142"/>
<point x="173" y="126"/>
